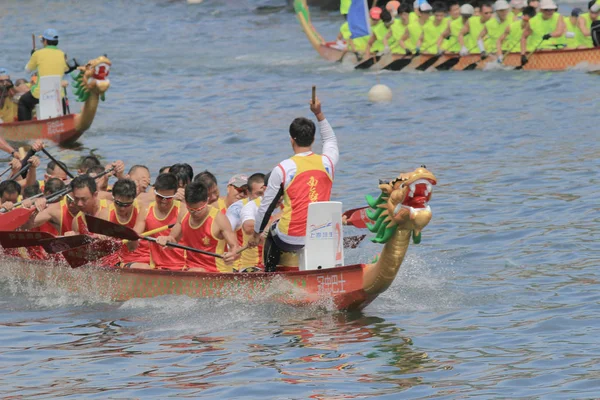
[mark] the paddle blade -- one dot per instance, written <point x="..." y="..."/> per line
<point x="398" y="64"/>
<point x="92" y="252"/>
<point x="449" y="64"/>
<point x="367" y="63"/>
<point x="107" y="228"/>
<point x="64" y="243"/>
<point x="11" y="240"/>
<point x="352" y="242"/>
<point x="14" y="219"/>
<point x="428" y="63"/>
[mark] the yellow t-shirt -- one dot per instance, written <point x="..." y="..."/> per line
<point x="48" y="61"/>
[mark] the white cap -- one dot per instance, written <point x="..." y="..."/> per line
<point x="517" y="3"/>
<point x="425" y="7"/>
<point x="501" y="5"/>
<point x="548" y="5"/>
<point x="467" y="9"/>
<point x="416" y="4"/>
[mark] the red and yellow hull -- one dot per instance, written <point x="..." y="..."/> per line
<point x="340" y="288"/>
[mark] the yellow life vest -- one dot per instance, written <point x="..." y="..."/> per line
<point x="541" y="27"/>
<point x="475" y="28"/>
<point x="495" y="29"/>
<point x="398" y="29"/>
<point x="579" y="39"/>
<point x="451" y="43"/>
<point x="587" y="40"/>
<point x="431" y="34"/>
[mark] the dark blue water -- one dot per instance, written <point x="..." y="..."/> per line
<point x="499" y="301"/>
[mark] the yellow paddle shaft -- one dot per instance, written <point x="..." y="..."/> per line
<point x="152" y="232"/>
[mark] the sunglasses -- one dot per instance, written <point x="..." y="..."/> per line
<point x="241" y="189"/>
<point x="122" y="204"/>
<point x="193" y="210"/>
<point x="163" y="196"/>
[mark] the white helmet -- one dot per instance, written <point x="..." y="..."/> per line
<point x="467" y="9"/>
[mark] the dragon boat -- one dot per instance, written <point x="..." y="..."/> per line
<point x="399" y="213"/>
<point x="547" y="60"/>
<point x="90" y="84"/>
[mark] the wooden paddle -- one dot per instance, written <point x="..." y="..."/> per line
<point x="107" y="228"/>
<point x="314" y="94"/>
<point x="5" y="171"/>
<point x="520" y="67"/>
<point x="24" y="166"/>
<point x="70" y="175"/>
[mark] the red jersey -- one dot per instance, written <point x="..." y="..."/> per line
<point x="201" y="237"/>
<point x="164" y="257"/>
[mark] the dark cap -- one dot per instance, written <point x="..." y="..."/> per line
<point x="576" y="12"/>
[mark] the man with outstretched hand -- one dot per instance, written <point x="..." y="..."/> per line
<point x="302" y="179"/>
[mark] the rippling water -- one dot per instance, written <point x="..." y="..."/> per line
<point x="499" y="301"/>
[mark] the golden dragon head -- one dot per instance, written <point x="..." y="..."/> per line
<point x="92" y="78"/>
<point x="402" y="205"/>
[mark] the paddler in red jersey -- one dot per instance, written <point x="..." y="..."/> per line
<point x="302" y="179"/>
<point x="206" y="228"/>
<point x="164" y="210"/>
<point x="124" y="210"/>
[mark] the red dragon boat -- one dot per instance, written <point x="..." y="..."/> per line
<point x="399" y="213"/>
<point x="90" y="83"/>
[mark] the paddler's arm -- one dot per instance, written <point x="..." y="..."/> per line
<point x="140" y="222"/>
<point x="480" y="42"/>
<point x="226" y="233"/>
<point x="269" y="202"/>
<point x="501" y="40"/>
<point x="403" y="39"/>
<point x="443" y="36"/>
<point x="33" y="63"/>
<point x="4" y="146"/>
<point x="463" y="32"/>
<point x="560" y="28"/>
<point x="330" y="144"/>
<point x="372" y="40"/>
<point x="583" y="27"/>
<point x="526" y="33"/>
<point x="175" y="235"/>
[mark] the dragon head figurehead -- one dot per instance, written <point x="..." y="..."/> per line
<point x="92" y="78"/>
<point x="402" y="205"/>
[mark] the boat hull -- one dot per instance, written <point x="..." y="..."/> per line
<point x="61" y="130"/>
<point x="338" y="288"/>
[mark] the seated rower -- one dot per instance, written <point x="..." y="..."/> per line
<point x="256" y="188"/>
<point x="86" y="199"/>
<point x="546" y="30"/>
<point x="54" y="170"/>
<point x="432" y="30"/>
<point x="56" y="218"/>
<point x="86" y="163"/>
<point x="377" y="25"/>
<point x="205" y="228"/>
<point x="10" y="191"/>
<point x="164" y="210"/>
<point x="397" y="30"/>
<point x="140" y="174"/>
<point x="494" y="28"/>
<point x="357" y="45"/>
<point x="473" y="28"/>
<point x="236" y="189"/>
<point x="517" y="7"/>
<point x="185" y="174"/>
<point x="585" y="23"/>
<point x="573" y="35"/>
<point x="8" y="108"/>
<point x="411" y="38"/>
<point x="453" y="30"/>
<point x="104" y="190"/>
<point x="510" y="40"/>
<point x="124" y="211"/>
